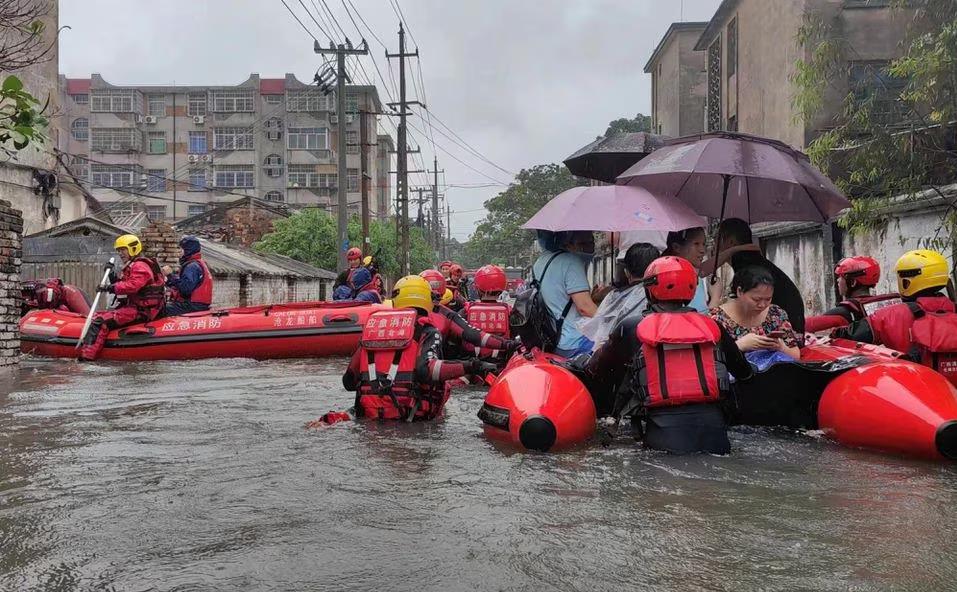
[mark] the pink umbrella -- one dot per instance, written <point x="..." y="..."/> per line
<point x="613" y="208"/>
<point x="731" y="175"/>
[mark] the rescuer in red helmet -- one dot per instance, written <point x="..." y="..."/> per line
<point x="856" y="277"/>
<point x="488" y="314"/>
<point x="667" y="366"/>
<point x="354" y="259"/>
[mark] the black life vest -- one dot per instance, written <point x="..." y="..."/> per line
<point x="865" y="306"/>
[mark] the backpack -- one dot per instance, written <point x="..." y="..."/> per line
<point x="934" y="340"/>
<point x="530" y="318"/>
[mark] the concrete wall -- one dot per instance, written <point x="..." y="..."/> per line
<point x="234" y="290"/>
<point x="666" y="76"/>
<point x="692" y="85"/>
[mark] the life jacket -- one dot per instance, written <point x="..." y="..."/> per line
<point x="201" y="294"/>
<point x="388" y="351"/>
<point x="934" y="339"/>
<point x="49" y="295"/>
<point x="490" y="317"/>
<point x="152" y="297"/>
<point x="865" y="306"/>
<point x="891" y="326"/>
<point x="678" y="359"/>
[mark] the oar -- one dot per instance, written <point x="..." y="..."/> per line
<point x="96" y="302"/>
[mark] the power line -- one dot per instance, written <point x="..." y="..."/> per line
<point x="303" y="25"/>
<point x="467" y="145"/>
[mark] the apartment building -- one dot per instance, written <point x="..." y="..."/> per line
<point x="679" y="81"/>
<point x="178" y="150"/>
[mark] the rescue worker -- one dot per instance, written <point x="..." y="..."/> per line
<point x="856" y="276"/>
<point x="398" y="371"/>
<point x="488" y="314"/>
<point x="53" y="294"/>
<point x="459" y="286"/>
<point x="141" y="287"/>
<point x="924" y="325"/>
<point x="668" y="366"/>
<point x="190" y="290"/>
<point x="363" y="288"/>
<point x="354" y="259"/>
<point x="456" y="330"/>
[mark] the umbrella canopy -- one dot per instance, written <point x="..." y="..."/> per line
<point x="613" y="208"/>
<point x="606" y="158"/>
<point x="731" y="175"/>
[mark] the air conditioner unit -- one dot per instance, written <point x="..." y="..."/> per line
<point x="199" y="119"/>
<point x="333" y="119"/>
<point x="151" y="119"/>
<point x="193" y="158"/>
<point x="207" y="158"/>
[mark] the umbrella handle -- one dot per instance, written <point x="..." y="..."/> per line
<point x="717" y="240"/>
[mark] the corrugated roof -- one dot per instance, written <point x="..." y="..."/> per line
<point x="223" y="258"/>
<point x="131" y="222"/>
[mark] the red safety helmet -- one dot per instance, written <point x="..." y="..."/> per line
<point x="445" y="264"/>
<point x="490" y="278"/>
<point x="671" y="279"/>
<point x="353" y="254"/>
<point x="456" y="269"/>
<point x="436" y="281"/>
<point x="861" y="270"/>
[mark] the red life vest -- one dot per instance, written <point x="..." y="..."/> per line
<point x="388" y="351"/>
<point x="865" y="306"/>
<point x="201" y="294"/>
<point x="490" y="317"/>
<point x="679" y="359"/>
<point x="50" y="294"/>
<point x="934" y="336"/>
<point x="152" y="297"/>
<point x="891" y="326"/>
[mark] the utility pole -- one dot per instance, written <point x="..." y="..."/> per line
<point x="341" y="51"/>
<point x="448" y="229"/>
<point x="436" y="233"/>
<point x="402" y="178"/>
<point x="421" y="201"/>
<point x="363" y="167"/>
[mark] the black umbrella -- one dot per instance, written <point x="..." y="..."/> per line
<point x="606" y="158"/>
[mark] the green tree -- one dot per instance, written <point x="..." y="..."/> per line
<point x="21" y="118"/>
<point x="641" y="123"/>
<point x="310" y="236"/>
<point x="894" y="136"/>
<point x="21" y="46"/>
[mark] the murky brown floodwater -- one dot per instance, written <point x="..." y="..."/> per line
<point x="200" y="476"/>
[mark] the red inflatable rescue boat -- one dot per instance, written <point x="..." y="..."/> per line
<point x="296" y="330"/>
<point x="538" y="405"/>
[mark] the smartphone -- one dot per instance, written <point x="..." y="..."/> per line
<point x="777" y="334"/>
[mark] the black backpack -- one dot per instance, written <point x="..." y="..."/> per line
<point x="531" y="319"/>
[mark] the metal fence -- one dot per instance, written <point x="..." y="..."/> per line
<point x="83" y="275"/>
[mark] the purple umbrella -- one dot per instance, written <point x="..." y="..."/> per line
<point x="613" y="208"/>
<point x="731" y="175"/>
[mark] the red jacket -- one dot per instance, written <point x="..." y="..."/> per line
<point x="143" y="285"/>
<point x="891" y="325"/>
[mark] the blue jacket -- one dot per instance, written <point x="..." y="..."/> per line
<point x="188" y="278"/>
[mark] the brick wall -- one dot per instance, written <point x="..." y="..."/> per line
<point x="11" y="235"/>
<point x="233" y="290"/>
<point x="161" y="241"/>
<point x="246" y="226"/>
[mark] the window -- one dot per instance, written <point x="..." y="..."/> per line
<point x="352" y="180"/>
<point x="81" y="99"/>
<point x="275" y="196"/>
<point x="352" y="103"/>
<point x="115" y="139"/>
<point x="195" y="209"/>
<point x="273" y="165"/>
<point x="116" y="101"/>
<point x="713" y="102"/>
<point x="156" y="106"/>
<point x="273" y="128"/>
<point x="303" y="175"/>
<point x="328" y="180"/>
<point x="310" y="100"/>
<point x="235" y="175"/>
<point x="232" y="101"/>
<point x="352" y="142"/>
<point x="273" y="99"/>
<point x="873" y="87"/>
<point x="307" y="138"/>
<point x="197" y="142"/>
<point x="866" y="3"/>
<point x="197" y="179"/>
<point x="233" y="138"/>
<point x="80" y="166"/>
<point x="732" y="48"/>
<point x="154" y="213"/>
<point x="156" y="180"/>
<point x="196" y="104"/>
<point x="80" y="129"/>
<point x="107" y="175"/>
<point x="157" y="142"/>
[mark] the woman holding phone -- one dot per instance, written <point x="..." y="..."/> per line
<point x="749" y="316"/>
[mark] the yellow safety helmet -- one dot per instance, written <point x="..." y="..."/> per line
<point x="367" y="261"/>
<point x="131" y="243"/>
<point x="921" y="270"/>
<point x="446" y="298"/>
<point x="412" y="292"/>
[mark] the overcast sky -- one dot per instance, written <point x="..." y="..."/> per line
<point x="523" y="82"/>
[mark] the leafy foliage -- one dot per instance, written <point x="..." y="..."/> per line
<point x="310" y="236"/>
<point x="21" y="119"/>
<point x="641" y="123"/>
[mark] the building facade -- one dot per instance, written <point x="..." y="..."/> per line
<point x="678" y="82"/>
<point x="179" y="150"/>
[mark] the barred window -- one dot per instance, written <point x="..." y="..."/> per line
<point x="156" y="180"/>
<point x="352" y="180"/>
<point x="273" y="99"/>
<point x="303" y="175"/>
<point x="235" y="175"/>
<point x="80" y="165"/>
<point x="157" y="142"/>
<point x="328" y="180"/>
<point x="156" y="105"/>
<point x="108" y="175"/>
<point x="308" y="100"/>
<point x="873" y="87"/>
<point x="116" y="100"/>
<point x="197" y="179"/>
<point x="713" y="107"/>
<point x="232" y="101"/>
<point x="115" y="139"/>
<point x="352" y="142"/>
<point x="307" y="138"/>
<point x="273" y="165"/>
<point x="352" y="103"/>
<point x="195" y="209"/>
<point x="81" y="99"/>
<point x="154" y="213"/>
<point x="196" y="104"/>
<point x="197" y="142"/>
<point x="233" y="138"/>
<point x="80" y="128"/>
<point x="275" y="196"/>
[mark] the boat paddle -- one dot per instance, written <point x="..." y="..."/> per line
<point x="96" y="301"/>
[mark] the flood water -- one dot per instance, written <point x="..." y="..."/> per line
<point x="201" y="476"/>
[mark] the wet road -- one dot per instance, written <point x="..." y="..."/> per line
<point x="201" y="476"/>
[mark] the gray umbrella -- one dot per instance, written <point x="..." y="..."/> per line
<point x="606" y="158"/>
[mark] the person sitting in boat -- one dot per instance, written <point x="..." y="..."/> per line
<point x="141" y="289"/>
<point x="370" y="262"/>
<point x="667" y="366"/>
<point x="444" y="267"/>
<point x="624" y="301"/>
<point x="398" y="371"/>
<point x="459" y="286"/>
<point x="488" y="314"/>
<point x="363" y="289"/>
<point x="689" y="244"/>
<point x="354" y="259"/>
<point x="924" y="325"/>
<point x="736" y="246"/>
<point x="190" y="290"/>
<point x="760" y="328"/>
<point x="856" y="277"/>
